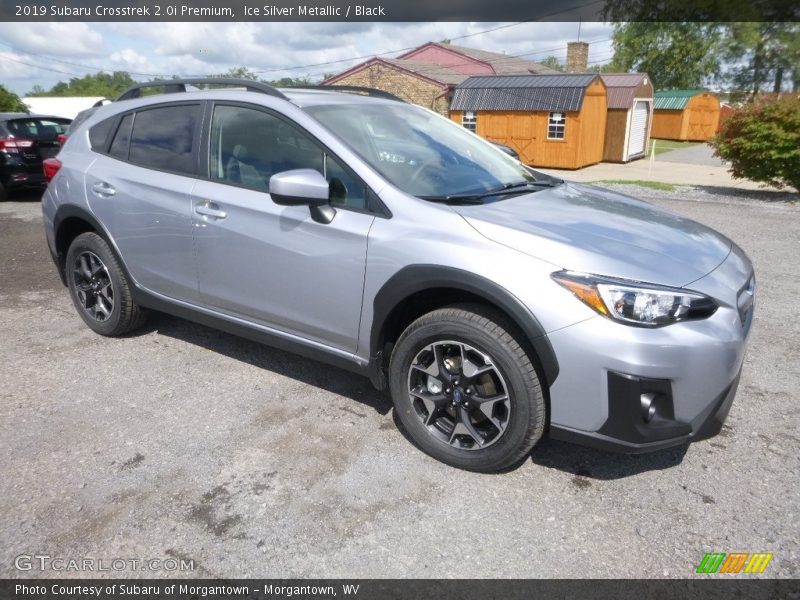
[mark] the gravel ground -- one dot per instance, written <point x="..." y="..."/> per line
<point x="188" y="443"/>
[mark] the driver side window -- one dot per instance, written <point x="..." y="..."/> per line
<point x="249" y="146"/>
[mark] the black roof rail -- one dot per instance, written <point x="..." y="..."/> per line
<point x="368" y="91"/>
<point x="172" y="86"/>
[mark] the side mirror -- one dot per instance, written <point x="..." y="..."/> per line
<point x="303" y="186"/>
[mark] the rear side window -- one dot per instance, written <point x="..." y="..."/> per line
<point x="164" y="138"/>
<point x="98" y="134"/>
<point x="119" y="147"/>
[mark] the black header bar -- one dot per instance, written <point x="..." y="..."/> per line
<point x="396" y="589"/>
<point x="398" y="10"/>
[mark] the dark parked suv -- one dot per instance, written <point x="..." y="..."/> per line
<point x="25" y="141"/>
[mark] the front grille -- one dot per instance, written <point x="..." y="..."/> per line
<point x="745" y="301"/>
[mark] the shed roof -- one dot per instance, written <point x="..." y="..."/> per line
<point x="563" y="92"/>
<point x="674" y="99"/>
<point x="622" y="88"/>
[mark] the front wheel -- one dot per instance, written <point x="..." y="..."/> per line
<point x="466" y="390"/>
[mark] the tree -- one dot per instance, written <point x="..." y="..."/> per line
<point x="762" y="55"/>
<point x="609" y="67"/>
<point x="553" y="63"/>
<point x="291" y="82"/>
<point x="238" y="73"/>
<point x="762" y="141"/>
<point x="9" y="101"/>
<point x="37" y="90"/>
<point x="245" y="73"/>
<point x="107" y="85"/>
<point x="675" y="55"/>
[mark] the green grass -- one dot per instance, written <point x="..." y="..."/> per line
<point x="663" y="146"/>
<point x="653" y="185"/>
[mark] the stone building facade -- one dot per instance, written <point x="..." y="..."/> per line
<point x="428" y="75"/>
<point x="403" y="83"/>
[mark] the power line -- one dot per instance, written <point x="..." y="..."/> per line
<point x="97" y="70"/>
<point x="333" y="62"/>
<point x="422" y="69"/>
<point x="5" y="57"/>
<point x="72" y="64"/>
<point x="417" y="68"/>
<point x="431" y="69"/>
<point x="296" y="67"/>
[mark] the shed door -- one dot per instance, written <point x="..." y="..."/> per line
<point x="636" y="140"/>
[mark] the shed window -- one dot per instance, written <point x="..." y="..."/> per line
<point x="470" y="121"/>
<point x="556" y="125"/>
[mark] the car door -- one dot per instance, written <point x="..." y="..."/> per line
<point x="140" y="188"/>
<point x="272" y="264"/>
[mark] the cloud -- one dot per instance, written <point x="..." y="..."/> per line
<point x="67" y="39"/>
<point x="128" y="59"/>
<point x="274" y="50"/>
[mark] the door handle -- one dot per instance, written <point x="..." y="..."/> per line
<point x="209" y="209"/>
<point x="103" y="189"/>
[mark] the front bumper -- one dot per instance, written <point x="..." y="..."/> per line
<point x="635" y="390"/>
<point x="626" y="432"/>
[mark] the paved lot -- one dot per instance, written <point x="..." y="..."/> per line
<point x="185" y="442"/>
<point x="685" y="166"/>
<point x="701" y="154"/>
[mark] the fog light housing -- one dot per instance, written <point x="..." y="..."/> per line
<point x="641" y="410"/>
<point x="648" y="402"/>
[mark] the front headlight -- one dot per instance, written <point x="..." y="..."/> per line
<point x="636" y="303"/>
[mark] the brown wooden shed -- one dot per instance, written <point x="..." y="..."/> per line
<point x="630" y="115"/>
<point x="685" y="115"/>
<point x="556" y="121"/>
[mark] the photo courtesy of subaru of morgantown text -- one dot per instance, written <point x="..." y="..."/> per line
<point x="496" y="303"/>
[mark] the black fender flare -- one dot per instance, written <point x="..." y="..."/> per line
<point x="418" y="278"/>
<point x="68" y="211"/>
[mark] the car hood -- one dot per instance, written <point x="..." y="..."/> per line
<point x="593" y="230"/>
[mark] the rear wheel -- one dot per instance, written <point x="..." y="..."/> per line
<point x="3" y="193"/>
<point x="99" y="288"/>
<point x="465" y="389"/>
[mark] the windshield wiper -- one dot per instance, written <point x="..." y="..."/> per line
<point x="471" y="199"/>
<point x="517" y="187"/>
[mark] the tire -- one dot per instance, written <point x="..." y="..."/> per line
<point x="3" y="193"/>
<point x="99" y="288"/>
<point x="450" y="370"/>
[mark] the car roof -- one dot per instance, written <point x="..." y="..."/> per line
<point x="301" y="97"/>
<point x="320" y="97"/>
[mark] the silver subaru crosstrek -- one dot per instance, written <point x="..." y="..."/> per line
<point x="496" y="303"/>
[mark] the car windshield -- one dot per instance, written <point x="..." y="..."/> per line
<point x="426" y="155"/>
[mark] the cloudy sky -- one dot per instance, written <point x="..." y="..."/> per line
<point x="45" y="53"/>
